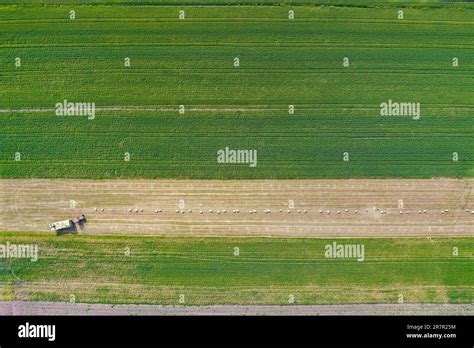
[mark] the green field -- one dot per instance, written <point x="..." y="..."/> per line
<point x="282" y="62"/>
<point x="267" y="271"/>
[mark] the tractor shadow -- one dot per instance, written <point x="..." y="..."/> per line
<point x="70" y="230"/>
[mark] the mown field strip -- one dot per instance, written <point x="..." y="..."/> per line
<point x="312" y="208"/>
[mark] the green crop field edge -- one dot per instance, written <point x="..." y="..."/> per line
<point x="157" y="270"/>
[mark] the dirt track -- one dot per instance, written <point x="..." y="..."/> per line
<point x="62" y="308"/>
<point x="322" y="208"/>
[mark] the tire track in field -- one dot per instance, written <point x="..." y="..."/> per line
<point x="228" y="108"/>
<point x="254" y="20"/>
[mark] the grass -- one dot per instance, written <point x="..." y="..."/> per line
<point x="283" y="62"/>
<point x="159" y="269"/>
<point x="351" y="3"/>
